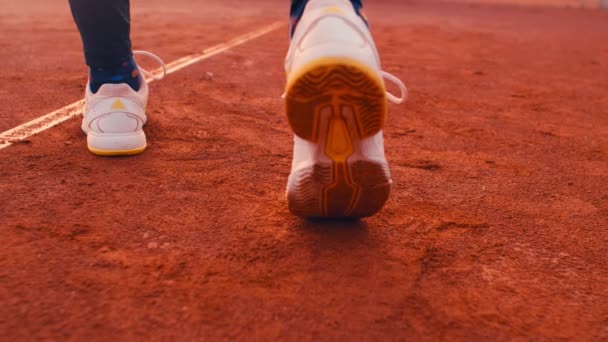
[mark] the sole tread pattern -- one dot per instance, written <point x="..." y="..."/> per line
<point x="336" y="103"/>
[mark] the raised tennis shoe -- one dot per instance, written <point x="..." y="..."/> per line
<point x="336" y="104"/>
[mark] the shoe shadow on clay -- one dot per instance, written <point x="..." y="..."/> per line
<point x="349" y="244"/>
<point x="344" y="229"/>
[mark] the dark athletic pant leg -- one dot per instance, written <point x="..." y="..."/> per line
<point x="105" y="30"/>
<point x="297" y="8"/>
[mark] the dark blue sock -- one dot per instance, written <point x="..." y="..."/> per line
<point x="297" y="9"/>
<point x="125" y="72"/>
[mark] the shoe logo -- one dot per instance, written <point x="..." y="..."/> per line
<point x="117" y="105"/>
<point x="333" y="10"/>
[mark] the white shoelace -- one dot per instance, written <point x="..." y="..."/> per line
<point x="149" y="74"/>
<point x="398" y="83"/>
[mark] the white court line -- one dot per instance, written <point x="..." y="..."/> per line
<point x="51" y="119"/>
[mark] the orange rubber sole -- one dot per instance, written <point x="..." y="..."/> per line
<point x="110" y="153"/>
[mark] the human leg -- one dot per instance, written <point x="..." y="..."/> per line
<point x="297" y="9"/>
<point x="105" y="32"/>
<point x="116" y="94"/>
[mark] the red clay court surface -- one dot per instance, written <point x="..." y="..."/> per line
<point x="497" y="227"/>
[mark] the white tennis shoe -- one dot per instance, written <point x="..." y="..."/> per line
<point x="336" y="104"/>
<point x="113" y="118"/>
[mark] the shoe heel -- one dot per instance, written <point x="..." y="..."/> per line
<point x="116" y="144"/>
